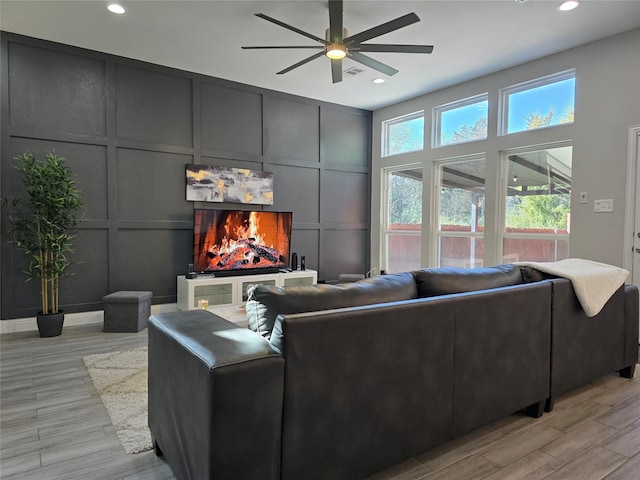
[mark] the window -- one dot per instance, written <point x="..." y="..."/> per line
<point x="403" y="134"/>
<point x="462" y="121"/>
<point x="460" y="233"/>
<point x="540" y="103"/>
<point x="537" y="205"/>
<point x="403" y="219"/>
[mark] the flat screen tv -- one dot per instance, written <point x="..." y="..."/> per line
<point x="233" y="242"/>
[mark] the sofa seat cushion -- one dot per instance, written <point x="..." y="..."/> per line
<point x="432" y="282"/>
<point x="266" y="302"/>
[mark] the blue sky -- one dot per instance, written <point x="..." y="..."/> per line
<point x="453" y="120"/>
<point x="559" y="95"/>
<point x="408" y="136"/>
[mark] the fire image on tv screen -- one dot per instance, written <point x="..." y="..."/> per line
<point x="237" y="240"/>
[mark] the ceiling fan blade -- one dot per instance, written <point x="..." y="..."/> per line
<point x="335" y="21"/>
<point x="390" y="26"/>
<point x="263" y="47"/>
<point x="302" y="62"/>
<point x="289" y="27"/>
<point x="336" y="70"/>
<point x="370" y="62"/>
<point x="370" y="47"/>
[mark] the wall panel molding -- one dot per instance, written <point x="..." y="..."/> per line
<point x="129" y="138"/>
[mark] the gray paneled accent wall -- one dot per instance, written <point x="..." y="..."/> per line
<point x="128" y="128"/>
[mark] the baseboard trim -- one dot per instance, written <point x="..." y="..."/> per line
<point x="17" y="325"/>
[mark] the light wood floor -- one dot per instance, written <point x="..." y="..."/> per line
<point x="54" y="426"/>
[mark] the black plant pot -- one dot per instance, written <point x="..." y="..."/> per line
<point x="50" y="324"/>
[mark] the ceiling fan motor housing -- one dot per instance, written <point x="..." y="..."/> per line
<point x="327" y="36"/>
<point x="340" y="44"/>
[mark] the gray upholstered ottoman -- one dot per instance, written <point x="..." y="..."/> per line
<point x="126" y="311"/>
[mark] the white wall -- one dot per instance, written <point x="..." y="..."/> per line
<point x="607" y="104"/>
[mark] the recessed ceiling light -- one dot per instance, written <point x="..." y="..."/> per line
<point x="378" y="80"/>
<point x="568" y="5"/>
<point x="116" y="8"/>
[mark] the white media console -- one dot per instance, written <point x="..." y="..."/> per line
<point x="224" y="291"/>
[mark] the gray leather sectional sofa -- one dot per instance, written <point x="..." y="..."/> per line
<point x="341" y="381"/>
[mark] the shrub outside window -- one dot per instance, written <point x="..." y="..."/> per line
<point x="461" y="121"/>
<point x="403" y="134"/>
<point x="540" y="103"/>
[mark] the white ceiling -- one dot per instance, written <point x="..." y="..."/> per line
<point x="471" y="38"/>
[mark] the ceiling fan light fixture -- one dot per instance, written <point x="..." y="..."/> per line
<point x="336" y="51"/>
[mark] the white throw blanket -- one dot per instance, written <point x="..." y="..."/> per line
<point x="593" y="282"/>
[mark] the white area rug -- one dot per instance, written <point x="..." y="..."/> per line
<point x="121" y="381"/>
<point x="236" y="314"/>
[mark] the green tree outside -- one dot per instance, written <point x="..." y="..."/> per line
<point x="539" y="211"/>
<point x="543" y="210"/>
<point x="476" y="131"/>
<point x="405" y="200"/>
<point x="546" y="211"/>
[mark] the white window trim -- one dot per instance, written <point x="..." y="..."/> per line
<point x="501" y="206"/>
<point x="385" y="231"/>
<point x="435" y="214"/>
<point x="384" y="149"/>
<point x="436" y="138"/>
<point x="505" y="93"/>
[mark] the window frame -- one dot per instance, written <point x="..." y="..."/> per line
<point x="505" y="93"/>
<point x="436" y="131"/>
<point x="386" y="231"/>
<point x="438" y="234"/>
<point x="384" y="147"/>
<point x="502" y="203"/>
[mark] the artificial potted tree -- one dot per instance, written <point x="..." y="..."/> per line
<point x="43" y="224"/>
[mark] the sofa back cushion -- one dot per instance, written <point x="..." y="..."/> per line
<point x="443" y="281"/>
<point x="265" y="302"/>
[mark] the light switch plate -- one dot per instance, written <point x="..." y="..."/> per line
<point x="603" y="206"/>
<point x="583" y="197"/>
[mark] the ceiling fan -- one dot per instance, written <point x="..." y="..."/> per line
<point x="338" y="44"/>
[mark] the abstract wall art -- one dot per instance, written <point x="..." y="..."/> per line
<point x="232" y="185"/>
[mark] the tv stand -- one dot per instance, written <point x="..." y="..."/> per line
<point x="232" y="290"/>
<point x="238" y="273"/>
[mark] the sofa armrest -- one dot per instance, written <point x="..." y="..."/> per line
<point x="584" y="348"/>
<point x="215" y="397"/>
<point x="630" y="327"/>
